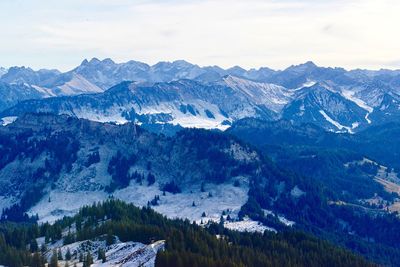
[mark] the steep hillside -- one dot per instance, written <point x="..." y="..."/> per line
<point x="53" y="165"/>
<point x="62" y="159"/>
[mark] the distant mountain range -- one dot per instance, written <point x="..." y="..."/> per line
<point x="208" y="97"/>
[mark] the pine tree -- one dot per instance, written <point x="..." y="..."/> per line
<point x="99" y="251"/>
<point x="101" y="255"/>
<point x="54" y="259"/>
<point x="33" y="246"/>
<point x="89" y="259"/>
<point x="68" y="255"/>
<point x="59" y="255"/>
<point x="151" y="179"/>
<point x="43" y="249"/>
<point x="46" y="238"/>
<point x="37" y="260"/>
<point x="109" y="239"/>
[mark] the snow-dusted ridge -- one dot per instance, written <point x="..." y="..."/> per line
<point x="123" y="254"/>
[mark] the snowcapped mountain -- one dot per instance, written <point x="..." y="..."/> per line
<point x="388" y="110"/>
<point x="11" y="94"/>
<point x="184" y="102"/>
<point x="94" y="76"/>
<point x="106" y="73"/>
<point x="215" y="105"/>
<point x="23" y="75"/>
<point x="273" y="96"/>
<point x="208" y="97"/>
<point x="325" y="108"/>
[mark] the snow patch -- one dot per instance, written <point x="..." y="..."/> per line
<point x="214" y="201"/>
<point x="79" y="84"/>
<point x="308" y="83"/>
<point x="8" y="120"/>
<point x="272" y="96"/>
<point x="296" y="192"/>
<point x="248" y="225"/>
<point x="335" y="123"/>
<point x="281" y="218"/>
<point x="350" y="96"/>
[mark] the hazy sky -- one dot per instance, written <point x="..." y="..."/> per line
<point x="249" y="33"/>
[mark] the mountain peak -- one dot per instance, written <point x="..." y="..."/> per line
<point x="307" y="66"/>
<point x="94" y="60"/>
<point x="108" y="61"/>
<point x="182" y="62"/>
<point x="236" y="68"/>
<point x="84" y="62"/>
<point x="310" y="64"/>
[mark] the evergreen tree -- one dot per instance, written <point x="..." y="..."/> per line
<point x="59" y="255"/>
<point x="89" y="259"/>
<point x="37" y="260"/>
<point x="54" y="259"/>
<point x="151" y="179"/>
<point x="43" y="249"/>
<point x="101" y="255"/>
<point x="33" y="246"/>
<point x="68" y="255"/>
<point x="109" y="239"/>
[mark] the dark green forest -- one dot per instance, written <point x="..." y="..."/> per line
<point x="187" y="244"/>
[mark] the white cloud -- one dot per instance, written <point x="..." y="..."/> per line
<point x="252" y="33"/>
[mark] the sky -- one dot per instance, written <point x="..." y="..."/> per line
<point x="249" y="33"/>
